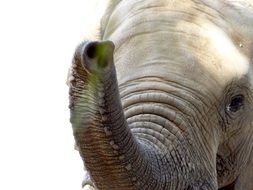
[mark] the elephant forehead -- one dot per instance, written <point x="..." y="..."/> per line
<point x="221" y="56"/>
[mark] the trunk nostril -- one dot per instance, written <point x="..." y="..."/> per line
<point x="98" y="49"/>
<point x="91" y="50"/>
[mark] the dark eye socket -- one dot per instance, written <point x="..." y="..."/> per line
<point x="236" y="103"/>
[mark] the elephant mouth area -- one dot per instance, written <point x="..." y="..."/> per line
<point x="229" y="187"/>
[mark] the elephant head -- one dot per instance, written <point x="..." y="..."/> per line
<point x="164" y="100"/>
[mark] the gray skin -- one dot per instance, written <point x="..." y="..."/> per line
<point x="164" y="100"/>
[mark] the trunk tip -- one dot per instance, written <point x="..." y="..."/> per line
<point x="97" y="55"/>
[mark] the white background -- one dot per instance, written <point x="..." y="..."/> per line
<point x="37" y="41"/>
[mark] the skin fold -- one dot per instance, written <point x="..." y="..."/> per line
<point x="164" y="99"/>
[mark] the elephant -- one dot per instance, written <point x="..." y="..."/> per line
<point x="163" y="98"/>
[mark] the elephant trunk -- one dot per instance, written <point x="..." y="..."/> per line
<point x="109" y="150"/>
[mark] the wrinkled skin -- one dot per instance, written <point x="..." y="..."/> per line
<point x="165" y="99"/>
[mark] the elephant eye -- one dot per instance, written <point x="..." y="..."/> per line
<point x="236" y="103"/>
